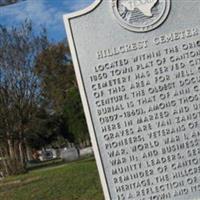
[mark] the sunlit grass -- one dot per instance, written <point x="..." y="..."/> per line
<point x="74" y="181"/>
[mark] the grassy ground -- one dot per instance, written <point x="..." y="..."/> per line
<point x="75" y="181"/>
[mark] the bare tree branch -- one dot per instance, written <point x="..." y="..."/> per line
<point x="8" y="2"/>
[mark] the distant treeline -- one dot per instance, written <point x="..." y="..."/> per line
<point x="39" y="99"/>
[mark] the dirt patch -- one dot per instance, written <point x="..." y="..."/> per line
<point x="18" y="183"/>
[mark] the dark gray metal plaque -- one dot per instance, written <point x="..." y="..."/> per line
<point x="137" y="64"/>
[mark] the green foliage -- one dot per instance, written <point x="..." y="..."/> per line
<point x="74" y="115"/>
<point x="43" y="129"/>
<point x="54" y="67"/>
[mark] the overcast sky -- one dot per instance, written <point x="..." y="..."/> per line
<point x="46" y="13"/>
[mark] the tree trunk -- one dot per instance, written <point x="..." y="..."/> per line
<point x="78" y="150"/>
<point x="4" y="163"/>
<point x="11" y="149"/>
<point x="16" y="149"/>
<point x="28" y="153"/>
<point x="88" y="142"/>
<point x="21" y="153"/>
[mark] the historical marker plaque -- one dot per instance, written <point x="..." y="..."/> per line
<point x="137" y="63"/>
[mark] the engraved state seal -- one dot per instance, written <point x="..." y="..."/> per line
<point x="141" y="15"/>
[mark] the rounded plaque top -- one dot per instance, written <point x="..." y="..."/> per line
<point x="141" y="15"/>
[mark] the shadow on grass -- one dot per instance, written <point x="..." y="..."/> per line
<point x="44" y="164"/>
<point x="5" y="187"/>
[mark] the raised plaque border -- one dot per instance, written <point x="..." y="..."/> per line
<point x="67" y="21"/>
